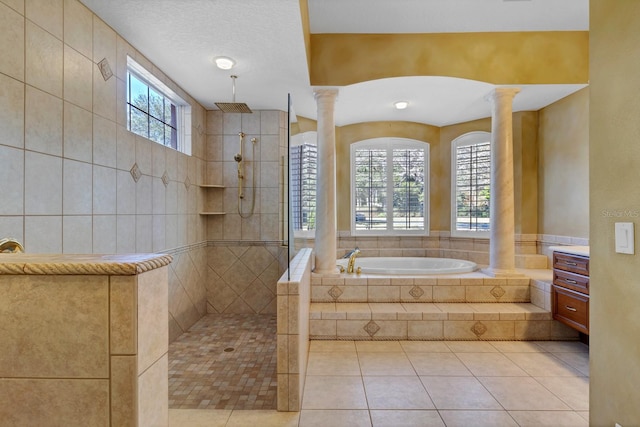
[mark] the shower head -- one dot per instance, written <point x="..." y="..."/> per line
<point x="233" y="107"/>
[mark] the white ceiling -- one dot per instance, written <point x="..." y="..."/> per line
<point x="266" y="40"/>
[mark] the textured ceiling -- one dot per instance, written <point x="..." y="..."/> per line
<point x="266" y="40"/>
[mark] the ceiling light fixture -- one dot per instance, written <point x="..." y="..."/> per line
<point x="401" y="105"/>
<point x="224" y="62"/>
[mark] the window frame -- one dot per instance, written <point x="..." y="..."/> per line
<point x="390" y="143"/>
<point x="471" y="138"/>
<point x="183" y="108"/>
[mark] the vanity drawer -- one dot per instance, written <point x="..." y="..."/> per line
<point x="570" y="308"/>
<point x="573" y="263"/>
<point x="572" y="281"/>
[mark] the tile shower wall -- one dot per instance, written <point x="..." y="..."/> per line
<point x="66" y="156"/>
<point x="245" y="251"/>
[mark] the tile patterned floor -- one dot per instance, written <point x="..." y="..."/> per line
<point x="225" y="362"/>
<point x="413" y="383"/>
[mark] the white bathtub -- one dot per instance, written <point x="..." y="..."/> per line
<point x="411" y="265"/>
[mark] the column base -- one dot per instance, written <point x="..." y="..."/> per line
<point x="334" y="272"/>
<point x="501" y="273"/>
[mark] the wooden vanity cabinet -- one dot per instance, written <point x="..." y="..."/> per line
<point x="570" y="290"/>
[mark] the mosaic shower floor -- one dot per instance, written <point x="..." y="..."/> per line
<point x="225" y="361"/>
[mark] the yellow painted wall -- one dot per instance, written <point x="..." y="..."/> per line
<point x="563" y="145"/>
<point x="614" y="189"/>
<point x="525" y="171"/>
<point x="499" y="58"/>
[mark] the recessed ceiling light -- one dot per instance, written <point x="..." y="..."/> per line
<point x="401" y="105"/>
<point x="224" y="62"/>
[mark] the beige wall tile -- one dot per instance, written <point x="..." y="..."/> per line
<point x="158" y="233"/>
<point x="152" y="317"/>
<point x="64" y="402"/>
<point x="104" y="190"/>
<point x="49" y="342"/>
<point x="158" y="196"/>
<point x="104" y="42"/>
<point x="77" y="234"/>
<point x="124" y="381"/>
<point x="324" y="328"/>
<point x="123" y="310"/>
<point x="125" y="193"/>
<point x="43" y="122"/>
<point x="104" y="228"/>
<point x="76" y="188"/>
<point x="125" y="148"/>
<point x="78" y="27"/>
<point x="78" y="133"/>
<point x="104" y="141"/>
<point x="46" y="14"/>
<point x="12" y="178"/>
<point x="425" y="329"/>
<point x="104" y="95"/>
<point x="43" y="191"/>
<point x="43" y="234"/>
<point x="449" y="293"/>
<point x="11" y="110"/>
<point x="43" y="60"/>
<point x="12" y="226"/>
<point x="383" y="293"/>
<point x="153" y="389"/>
<point x="78" y="78"/>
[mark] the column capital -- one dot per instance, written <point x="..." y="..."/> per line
<point x="502" y="93"/>
<point x="325" y="94"/>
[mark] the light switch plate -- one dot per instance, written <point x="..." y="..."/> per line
<point x="624" y="238"/>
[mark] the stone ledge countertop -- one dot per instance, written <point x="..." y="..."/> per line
<point x="119" y="265"/>
<point x="573" y="250"/>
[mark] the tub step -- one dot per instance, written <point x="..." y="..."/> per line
<point x="434" y="321"/>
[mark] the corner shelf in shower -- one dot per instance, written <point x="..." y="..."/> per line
<point x="213" y="213"/>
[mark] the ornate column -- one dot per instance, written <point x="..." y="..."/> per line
<point x="502" y="260"/>
<point x="325" y="238"/>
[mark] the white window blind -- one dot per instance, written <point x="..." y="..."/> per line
<point x="472" y="186"/>
<point x="388" y="186"/>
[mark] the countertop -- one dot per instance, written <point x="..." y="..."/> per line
<point x="90" y="264"/>
<point x="573" y="250"/>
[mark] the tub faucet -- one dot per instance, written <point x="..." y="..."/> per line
<point x="10" y="245"/>
<point x="352" y="259"/>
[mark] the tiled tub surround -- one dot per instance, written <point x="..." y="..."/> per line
<point x="84" y="341"/>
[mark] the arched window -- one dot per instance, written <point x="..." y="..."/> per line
<point x="471" y="184"/>
<point x="389" y="186"/>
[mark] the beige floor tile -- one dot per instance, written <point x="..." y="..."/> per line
<point x="564" y="346"/>
<point x="579" y="361"/>
<point x="572" y="391"/>
<point x="400" y="418"/>
<point x="548" y="419"/>
<point x="378" y="346"/>
<point x="263" y="418"/>
<point x="396" y="393"/>
<point x="445" y="364"/>
<point x="471" y="347"/>
<point x="477" y="419"/>
<point x="517" y="346"/>
<point x="522" y="393"/>
<point x="338" y="363"/>
<point x="385" y="364"/>
<point x="334" y="418"/>
<point x="421" y="307"/>
<point x="198" y="417"/>
<point x="332" y="346"/>
<point x="490" y="365"/>
<point x="543" y="365"/>
<point x="459" y="393"/>
<point x="334" y="392"/>
<point x="425" y="347"/>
